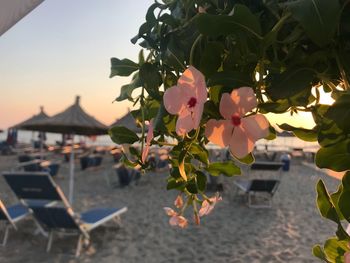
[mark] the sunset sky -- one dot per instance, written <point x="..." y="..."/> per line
<point x="63" y="49"/>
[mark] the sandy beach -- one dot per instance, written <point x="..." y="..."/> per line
<point x="232" y="233"/>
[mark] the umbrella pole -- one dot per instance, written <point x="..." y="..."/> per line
<point x="71" y="172"/>
<point x="41" y="146"/>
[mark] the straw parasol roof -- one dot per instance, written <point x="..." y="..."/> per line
<point x="73" y="120"/>
<point x="38" y="117"/>
<point x="129" y="122"/>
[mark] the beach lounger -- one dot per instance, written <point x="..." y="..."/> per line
<point x="252" y="187"/>
<point x="59" y="218"/>
<point x="10" y="216"/>
<point x="267" y="166"/>
<point x="15" y="213"/>
<point x="255" y="187"/>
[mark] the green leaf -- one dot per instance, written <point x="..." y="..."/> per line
<point x="150" y="17"/>
<point x="199" y="152"/>
<point x="211" y="110"/>
<point x="121" y="135"/>
<point x="319" y="18"/>
<point x="328" y="210"/>
<point x="335" y="157"/>
<point x="192" y="187"/>
<point x="324" y="203"/>
<point x="335" y="200"/>
<point x="230" y="79"/>
<point x="169" y="20"/>
<point x="151" y="79"/>
<point x="170" y="80"/>
<point x="127" y="162"/>
<point x="122" y="67"/>
<point x="289" y="83"/>
<point x="280" y="106"/>
<point x="343" y="202"/>
<point x="317" y="251"/>
<point x="141" y="58"/>
<point x="340" y="112"/>
<point x="211" y="58"/>
<point x="249" y="159"/>
<point x="301" y="133"/>
<point x="201" y="181"/>
<point x="226" y="168"/>
<point x="126" y="90"/>
<point x="329" y="134"/>
<point x="242" y="20"/>
<point x="272" y="134"/>
<point x="134" y="151"/>
<point x="175" y="184"/>
<point x="335" y="250"/>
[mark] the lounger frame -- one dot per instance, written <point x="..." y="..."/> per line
<point x="54" y="193"/>
<point x="247" y="186"/>
<point x="9" y="223"/>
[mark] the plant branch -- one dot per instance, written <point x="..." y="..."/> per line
<point x="194" y="47"/>
<point x="142" y="103"/>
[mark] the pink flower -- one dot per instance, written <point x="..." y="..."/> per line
<point x="187" y="100"/>
<point x="169" y="211"/>
<point x="148" y="142"/>
<point x="175" y="218"/>
<point x="179" y="202"/>
<point x="237" y="131"/>
<point x="208" y="205"/>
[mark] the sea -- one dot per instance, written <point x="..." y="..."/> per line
<point x="278" y="144"/>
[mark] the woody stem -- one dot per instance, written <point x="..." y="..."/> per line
<point x="142" y="103"/>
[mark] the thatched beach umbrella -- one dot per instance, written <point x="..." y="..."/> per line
<point x="41" y="116"/>
<point x="129" y="122"/>
<point x="38" y="117"/>
<point x="75" y="121"/>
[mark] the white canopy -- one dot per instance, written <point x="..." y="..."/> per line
<point x="11" y="11"/>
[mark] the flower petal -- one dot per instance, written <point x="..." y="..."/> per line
<point x="169" y="211"/>
<point x="179" y="202"/>
<point x="174" y="100"/>
<point x="244" y="99"/>
<point x="184" y="123"/>
<point x="193" y="82"/>
<point x="173" y="221"/>
<point x="227" y="106"/>
<point x="150" y="132"/>
<point x="182" y="221"/>
<point x="256" y="126"/>
<point x="148" y="142"/>
<point x="219" y="132"/>
<point x="205" y="208"/>
<point x="145" y="153"/>
<point x="197" y="114"/>
<point x="240" y="143"/>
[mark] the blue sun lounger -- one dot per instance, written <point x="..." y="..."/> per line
<point x="251" y="187"/>
<point x="15" y="213"/>
<point x="59" y="218"/>
<point x="10" y="216"/>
